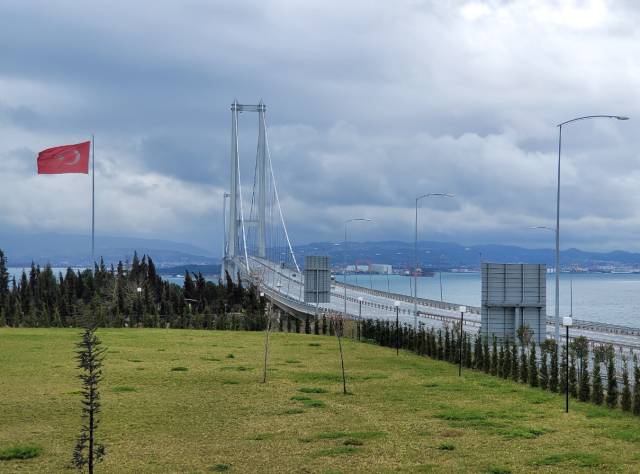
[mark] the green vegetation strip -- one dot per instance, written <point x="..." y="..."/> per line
<point x="20" y="452"/>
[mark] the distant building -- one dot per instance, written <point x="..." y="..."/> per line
<point x="381" y="268"/>
<point x="357" y="268"/>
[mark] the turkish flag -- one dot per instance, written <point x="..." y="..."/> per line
<point x="65" y="159"/>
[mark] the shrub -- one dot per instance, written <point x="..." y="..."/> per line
<point x="493" y="365"/>
<point x="612" y="383"/>
<point x="625" y="399"/>
<point x="312" y="390"/>
<point x="573" y="382"/>
<point x="544" y="371"/>
<point x="20" y="452"/>
<point x="553" y="372"/>
<point x="515" y="372"/>
<point x="636" y="386"/>
<point x="597" y="390"/>
<point x="533" y="367"/>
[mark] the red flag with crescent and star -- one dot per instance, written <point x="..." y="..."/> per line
<point x="65" y="159"/>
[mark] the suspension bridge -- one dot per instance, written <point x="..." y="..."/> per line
<point x="257" y="248"/>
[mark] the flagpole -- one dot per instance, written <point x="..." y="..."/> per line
<point x="93" y="202"/>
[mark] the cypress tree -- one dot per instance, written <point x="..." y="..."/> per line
<point x="447" y="344"/>
<point x="297" y="325"/>
<point x="486" y="356"/>
<point x="625" y="399"/>
<point x="553" y="372"/>
<point x="477" y="356"/>
<point x="612" y="383"/>
<point x="440" y="348"/>
<point x="515" y="370"/>
<point x="316" y="328"/>
<point x="501" y="361"/>
<point x="573" y="380"/>
<point x="544" y="371"/>
<point x="584" y="389"/>
<point x="533" y="366"/>
<point x="493" y="368"/>
<point x="506" y="373"/>
<point x="288" y="323"/>
<point x="563" y="369"/>
<point x="307" y="325"/>
<point x="324" y="324"/>
<point x="467" y="359"/>
<point x="89" y="356"/>
<point x="636" y="386"/>
<point x="524" y="366"/>
<point x="597" y="390"/>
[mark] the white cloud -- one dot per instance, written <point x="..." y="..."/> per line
<point x="368" y="104"/>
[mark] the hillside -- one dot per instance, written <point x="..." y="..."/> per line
<point x="404" y="414"/>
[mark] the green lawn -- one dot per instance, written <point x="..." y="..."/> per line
<point x="190" y="401"/>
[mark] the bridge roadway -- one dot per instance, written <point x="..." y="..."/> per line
<point x="285" y="287"/>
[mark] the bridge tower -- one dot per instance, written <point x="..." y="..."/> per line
<point x="236" y="219"/>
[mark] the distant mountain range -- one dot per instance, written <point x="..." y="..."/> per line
<point x="73" y="250"/>
<point x="445" y="255"/>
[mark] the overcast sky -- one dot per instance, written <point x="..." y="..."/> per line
<point x="368" y="105"/>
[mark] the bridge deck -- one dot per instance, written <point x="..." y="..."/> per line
<point x="286" y="287"/>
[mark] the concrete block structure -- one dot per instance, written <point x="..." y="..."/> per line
<point x="317" y="279"/>
<point x="513" y="295"/>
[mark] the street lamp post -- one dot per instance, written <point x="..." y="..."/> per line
<point x="344" y="250"/>
<point x="462" y="310"/>
<point x="560" y="125"/>
<point x="567" y="321"/>
<point x="415" y="256"/>
<point x="397" y="306"/>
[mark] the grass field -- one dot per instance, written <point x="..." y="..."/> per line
<point x="190" y="401"/>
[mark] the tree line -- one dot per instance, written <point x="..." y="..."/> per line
<point x="522" y="361"/>
<point x="125" y="295"/>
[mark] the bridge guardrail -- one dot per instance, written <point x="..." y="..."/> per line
<point x="593" y="326"/>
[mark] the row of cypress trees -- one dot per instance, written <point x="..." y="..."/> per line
<point x="125" y="295"/>
<point x="519" y="360"/>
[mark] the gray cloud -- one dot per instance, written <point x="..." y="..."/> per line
<point x="368" y="106"/>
